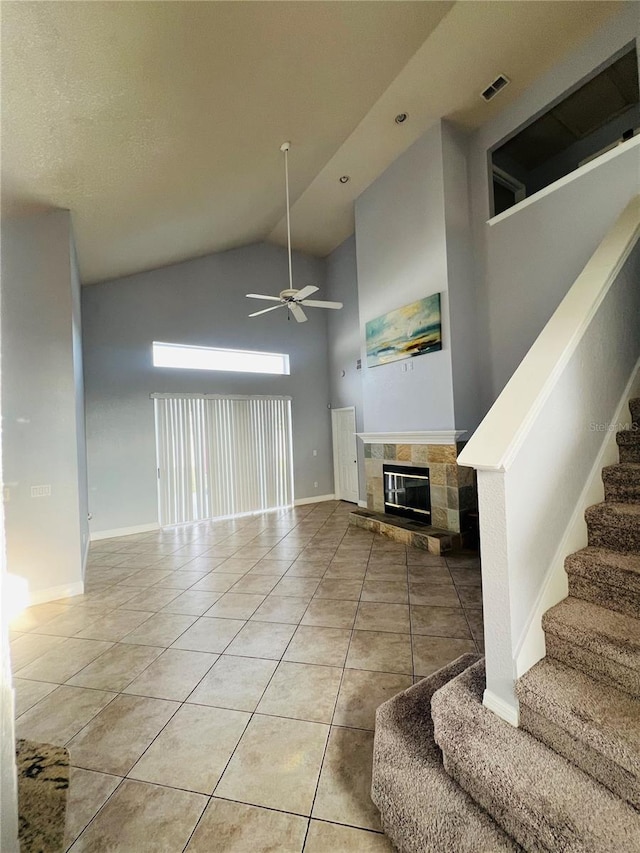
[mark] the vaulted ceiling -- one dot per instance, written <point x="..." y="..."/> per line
<point x="158" y="124"/>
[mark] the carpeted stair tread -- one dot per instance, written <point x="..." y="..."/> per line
<point x="421" y="807"/>
<point x="622" y="482"/>
<point x="628" y="441"/>
<point x="539" y="798"/>
<point x="608" y="578"/>
<point x="599" y="641"/>
<point x="614" y="525"/>
<point x="597" y="729"/>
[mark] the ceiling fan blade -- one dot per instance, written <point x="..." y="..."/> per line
<point x="266" y="310"/>
<point x="318" y="303"/>
<point x="297" y="312"/>
<point x="306" y="291"/>
<point x="262" y="296"/>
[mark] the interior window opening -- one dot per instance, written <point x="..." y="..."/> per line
<point x="593" y="118"/>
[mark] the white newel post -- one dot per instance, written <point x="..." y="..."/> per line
<point x="499" y="694"/>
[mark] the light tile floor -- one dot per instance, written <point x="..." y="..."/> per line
<point x="216" y="684"/>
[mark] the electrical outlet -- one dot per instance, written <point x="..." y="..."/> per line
<point x="41" y="491"/>
<point x="315" y="452"/>
<point x="315" y="485"/>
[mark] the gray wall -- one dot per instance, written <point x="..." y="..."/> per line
<point x="40" y="408"/>
<point x="401" y="251"/>
<point x="344" y="339"/>
<point x="527" y="262"/>
<point x="199" y="302"/>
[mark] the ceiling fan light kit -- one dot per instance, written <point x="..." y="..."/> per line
<point x="291" y="298"/>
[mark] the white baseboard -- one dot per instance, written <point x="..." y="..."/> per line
<point x="363" y="504"/>
<point x="65" y="590"/>
<point x="315" y="500"/>
<point x="507" y="712"/>
<point x="531" y="645"/>
<point x="124" y="531"/>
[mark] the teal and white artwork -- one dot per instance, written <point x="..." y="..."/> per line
<point x="413" y="330"/>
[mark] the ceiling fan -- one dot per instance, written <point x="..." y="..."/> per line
<point x="291" y="298"/>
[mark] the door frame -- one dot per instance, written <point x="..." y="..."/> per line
<point x="336" y="479"/>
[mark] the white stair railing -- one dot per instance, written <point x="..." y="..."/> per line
<point x="536" y="448"/>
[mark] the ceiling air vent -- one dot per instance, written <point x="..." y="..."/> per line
<point x="492" y="90"/>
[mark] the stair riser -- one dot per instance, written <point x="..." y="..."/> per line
<point x="615" y="598"/>
<point x="508" y="819"/>
<point x="600" y="572"/>
<point x="629" y="452"/>
<point x="622" y="492"/>
<point x="616" y="534"/>
<point x="634" y="408"/>
<point x="607" y="772"/>
<point x="597" y="666"/>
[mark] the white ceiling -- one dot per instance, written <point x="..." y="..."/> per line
<point x="158" y="124"/>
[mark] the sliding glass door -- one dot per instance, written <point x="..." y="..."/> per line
<point x="222" y="456"/>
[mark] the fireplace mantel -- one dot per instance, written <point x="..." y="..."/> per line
<point x="444" y="436"/>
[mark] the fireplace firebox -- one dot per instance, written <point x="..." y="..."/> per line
<point x="407" y="492"/>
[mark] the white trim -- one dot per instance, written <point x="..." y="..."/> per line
<point x="65" y="590"/>
<point x="504" y="710"/>
<point x="315" y="500"/>
<point x="442" y="436"/>
<point x="496" y="442"/>
<point x="566" y="179"/>
<point x="530" y="647"/>
<point x="363" y="504"/>
<point x="124" y="531"/>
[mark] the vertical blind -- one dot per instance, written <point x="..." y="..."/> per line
<point x="221" y="456"/>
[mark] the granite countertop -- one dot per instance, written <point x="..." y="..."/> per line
<point x="43" y="781"/>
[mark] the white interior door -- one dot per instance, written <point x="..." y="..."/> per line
<point x="345" y="456"/>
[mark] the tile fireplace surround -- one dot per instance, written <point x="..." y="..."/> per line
<point x="452" y="487"/>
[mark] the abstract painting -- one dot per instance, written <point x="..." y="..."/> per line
<point x="405" y="332"/>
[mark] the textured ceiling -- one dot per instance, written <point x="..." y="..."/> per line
<point x="158" y="124"/>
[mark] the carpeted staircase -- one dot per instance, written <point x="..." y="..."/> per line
<point x="451" y="777"/>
